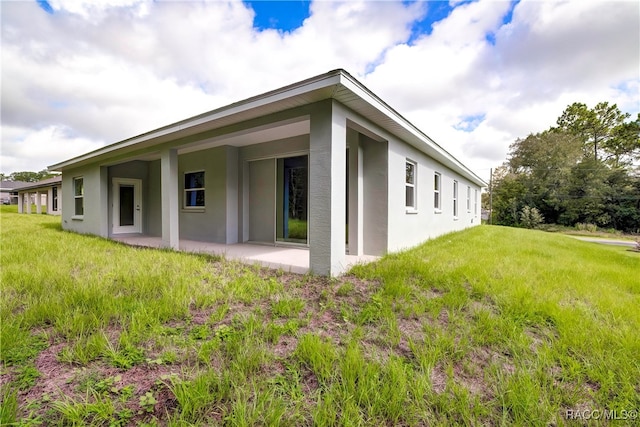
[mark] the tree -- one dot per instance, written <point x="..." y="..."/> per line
<point x="31" y="176"/>
<point x="595" y="127"/>
<point x="542" y="163"/>
<point x="624" y="145"/>
<point x="582" y="170"/>
<point x="508" y="194"/>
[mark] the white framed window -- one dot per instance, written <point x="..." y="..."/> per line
<point x="455" y="199"/>
<point x="437" y="178"/>
<point x="54" y="199"/>
<point x="410" y="185"/>
<point x="78" y="195"/>
<point x="468" y="199"/>
<point x="194" y="190"/>
<point x="475" y="203"/>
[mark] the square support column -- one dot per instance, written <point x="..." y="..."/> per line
<point x="356" y="200"/>
<point x="28" y="202"/>
<point x="20" y="203"/>
<point x="169" y="195"/>
<point x="327" y="186"/>
<point x="38" y="202"/>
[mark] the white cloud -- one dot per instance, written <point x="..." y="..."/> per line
<point x="26" y="149"/>
<point x="93" y="72"/>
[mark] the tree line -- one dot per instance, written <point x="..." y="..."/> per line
<point x="26" y="176"/>
<point x="585" y="170"/>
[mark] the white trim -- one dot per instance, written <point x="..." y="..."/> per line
<point x="456" y="206"/>
<point x="75" y="197"/>
<point x="475" y="203"/>
<point x="437" y="179"/>
<point x="413" y="208"/>
<point x="137" y="201"/>
<point x="196" y="208"/>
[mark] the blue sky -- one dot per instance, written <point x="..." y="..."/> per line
<point x="474" y="76"/>
<point x="288" y="15"/>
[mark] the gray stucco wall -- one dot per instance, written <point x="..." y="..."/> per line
<point x="375" y="198"/>
<point x="153" y="225"/>
<point x="207" y="224"/>
<point x="262" y="200"/>
<point x="95" y="217"/>
<point x="410" y="229"/>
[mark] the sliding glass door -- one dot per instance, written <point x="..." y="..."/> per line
<point x="292" y="199"/>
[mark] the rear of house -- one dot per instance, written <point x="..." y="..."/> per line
<point x="322" y="164"/>
<point x="44" y="194"/>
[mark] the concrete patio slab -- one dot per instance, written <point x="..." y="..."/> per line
<point x="287" y="258"/>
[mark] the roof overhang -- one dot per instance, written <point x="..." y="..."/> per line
<point x="45" y="183"/>
<point x="337" y="84"/>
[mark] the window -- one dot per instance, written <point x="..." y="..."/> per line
<point x="78" y="194"/>
<point x="54" y="199"/>
<point x="455" y="199"/>
<point x="436" y="191"/>
<point x="475" y="203"/>
<point x="194" y="189"/>
<point x="468" y="199"/>
<point x="410" y="185"/>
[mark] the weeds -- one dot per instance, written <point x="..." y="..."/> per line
<point x="490" y="326"/>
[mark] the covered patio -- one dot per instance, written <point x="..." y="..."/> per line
<point x="289" y="259"/>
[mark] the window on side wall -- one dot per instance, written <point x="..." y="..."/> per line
<point x="194" y="190"/>
<point x="78" y="195"/>
<point x="468" y="199"/>
<point x="436" y="191"/>
<point x="410" y="185"/>
<point x="455" y="199"/>
<point x="411" y="179"/>
<point x="475" y="203"/>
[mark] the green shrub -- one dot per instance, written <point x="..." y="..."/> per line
<point x="592" y="228"/>
<point x="530" y="217"/>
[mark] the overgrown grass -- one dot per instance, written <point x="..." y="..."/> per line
<point x="490" y="326"/>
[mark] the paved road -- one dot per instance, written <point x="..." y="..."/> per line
<point x="629" y="243"/>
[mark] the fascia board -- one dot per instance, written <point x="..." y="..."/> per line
<point x="420" y="140"/>
<point x="298" y="89"/>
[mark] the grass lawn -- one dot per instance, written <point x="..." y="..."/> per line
<point x="489" y="326"/>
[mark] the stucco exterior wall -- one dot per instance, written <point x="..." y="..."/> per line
<point x="375" y="197"/>
<point x="153" y="224"/>
<point x="96" y="211"/>
<point x="410" y="229"/>
<point x="209" y="223"/>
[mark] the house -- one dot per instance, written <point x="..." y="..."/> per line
<point x="45" y="193"/>
<point x="322" y="164"/>
<point x="7" y="194"/>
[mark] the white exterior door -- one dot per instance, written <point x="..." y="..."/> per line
<point x="127" y="205"/>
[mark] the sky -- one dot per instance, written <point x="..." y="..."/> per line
<point x="473" y="75"/>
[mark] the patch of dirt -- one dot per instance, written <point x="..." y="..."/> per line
<point x="438" y="379"/>
<point x="55" y="377"/>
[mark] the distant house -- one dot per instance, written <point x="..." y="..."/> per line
<point x="8" y="195"/>
<point x="45" y="194"/>
<point x="322" y="164"/>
